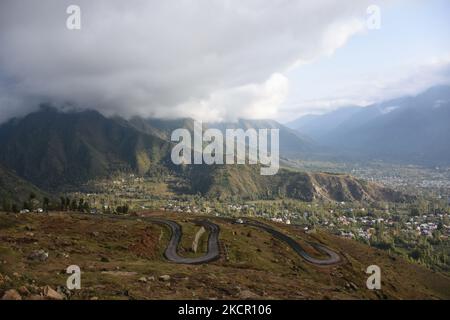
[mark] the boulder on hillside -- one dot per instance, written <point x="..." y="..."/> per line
<point x="11" y="295"/>
<point x="38" y="255"/>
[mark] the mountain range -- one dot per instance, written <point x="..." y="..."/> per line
<point x="54" y="150"/>
<point x="409" y="130"/>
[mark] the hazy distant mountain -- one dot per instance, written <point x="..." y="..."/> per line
<point x="302" y="121"/>
<point x="316" y="126"/>
<point x="292" y="142"/>
<point x="409" y="129"/>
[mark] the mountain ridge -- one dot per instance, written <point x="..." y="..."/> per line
<point x="54" y="149"/>
<point x="410" y="129"/>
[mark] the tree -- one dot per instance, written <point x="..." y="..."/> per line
<point x="62" y="203"/>
<point x="25" y="205"/>
<point x="6" y="205"/>
<point x="415" y="212"/>
<point x="122" y="209"/>
<point x="423" y="206"/>
<point x="73" y="205"/>
<point x="81" y="204"/>
<point x="46" y="204"/>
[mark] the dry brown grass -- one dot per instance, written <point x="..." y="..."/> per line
<point x="115" y="254"/>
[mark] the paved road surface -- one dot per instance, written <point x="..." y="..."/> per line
<point x="213" y="252"/>
<point x="333" y="257"/>
<point x="171" y="253"/>
<point x="171" y="250"/>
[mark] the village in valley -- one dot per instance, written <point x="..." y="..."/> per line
<point x="419" y="231"/>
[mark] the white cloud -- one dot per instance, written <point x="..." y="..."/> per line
<point x="214" y="59"/>
<point x="408" y="79"/>
<point x="338" y="34"/>
<point x="249" y="101"/>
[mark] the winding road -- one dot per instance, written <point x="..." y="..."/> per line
<point x="171" y="253"/>
<point x="333" y="257"/>
<point x="213" y="252"/>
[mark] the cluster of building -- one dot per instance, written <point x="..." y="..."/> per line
<point x="38" y="210"/>
<point x="425" y="225"/>
<point x="174" y="206"/>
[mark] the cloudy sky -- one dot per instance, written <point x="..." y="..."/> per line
<point x="218" y="59"/>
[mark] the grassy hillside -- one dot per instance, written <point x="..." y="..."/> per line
<point x="14" y="189"/>
<point x="242" y="181"/>
<point x="122" y="259"/>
